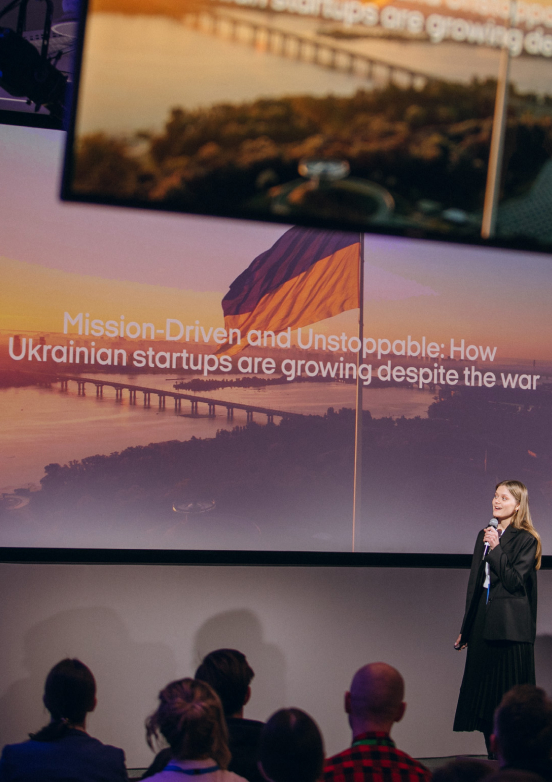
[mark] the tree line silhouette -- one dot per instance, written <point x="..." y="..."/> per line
<point x="431" y="143"/>
<point x="296" y="478"/>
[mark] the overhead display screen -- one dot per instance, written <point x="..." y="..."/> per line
<point x="181" y="382"/>
<point x="411" y="117"/>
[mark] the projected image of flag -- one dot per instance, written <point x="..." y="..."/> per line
<point x="306" y="276"/>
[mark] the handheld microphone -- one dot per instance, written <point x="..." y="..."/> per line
<point x="492" y="523"/>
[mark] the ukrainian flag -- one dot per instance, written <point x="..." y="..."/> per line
<point x="306" y="276"/>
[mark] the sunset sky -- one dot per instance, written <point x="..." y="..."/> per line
<point x="150" y="266"/>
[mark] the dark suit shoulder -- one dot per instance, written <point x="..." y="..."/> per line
<point x="519" y="542"/>
<point x="45" y="761"/>
<point x="245" y="721"/>
<point x="240" y="729"/>
<point x="243" y="742"/>
<point x="76" y="741"/>
<point x="519" y="534"/>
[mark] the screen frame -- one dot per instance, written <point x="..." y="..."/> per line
<point x="30" y="120"/>
<point x="221" y="557"/>
<point x="67" y="194"/>
<point x="189" y="557"/>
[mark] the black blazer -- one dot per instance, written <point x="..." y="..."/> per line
<point x="512" y="608"/>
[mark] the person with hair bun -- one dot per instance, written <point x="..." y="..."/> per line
<point x="63" y="750"/>
<point x="499" y="625"/>
<point x="229" y="674"/>
<point x="190" y="719"/>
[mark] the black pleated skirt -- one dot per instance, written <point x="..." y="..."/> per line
<point x="492" y="668"/>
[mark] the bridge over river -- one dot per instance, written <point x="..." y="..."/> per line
<point x="162" y="395"/>
<point x="264" y="35"/>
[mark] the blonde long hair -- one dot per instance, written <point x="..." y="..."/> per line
<point x="522" y="517"/>
<point x="191" y="720"/>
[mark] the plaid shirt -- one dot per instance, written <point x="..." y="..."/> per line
<point x="373" y="757"/>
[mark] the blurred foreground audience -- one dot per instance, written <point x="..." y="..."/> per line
<point x="374" y="703"/>
<point x="63" y="750"/>
<point x="522" y="738"/>
<point x="463" y="771"/>
<point x="229" y="674"/>
<point x="513" y="775"/>
<point x="291" y="748"/>
<point x="190" y="719"/>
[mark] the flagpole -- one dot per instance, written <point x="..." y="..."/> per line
<point x="496" y="153"/>
<point x="357" y="494"/>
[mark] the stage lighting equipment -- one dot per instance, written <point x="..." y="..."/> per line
<point x="25" y="72"/>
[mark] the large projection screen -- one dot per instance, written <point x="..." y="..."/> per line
<point x="123" y="427"/>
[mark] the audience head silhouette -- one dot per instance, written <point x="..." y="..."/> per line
<point x="291" y="748"/>
<point x="375" y="700"/>
<point x="374" y="703"/>
<point x="191" y="720"/>
<point x="69" y="694"/>
<point x="523" y="727"/>
<point x="229" y="674"/>
<point x="63" y="749"/>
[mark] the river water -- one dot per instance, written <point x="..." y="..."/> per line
<point x="40" y="426"/>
